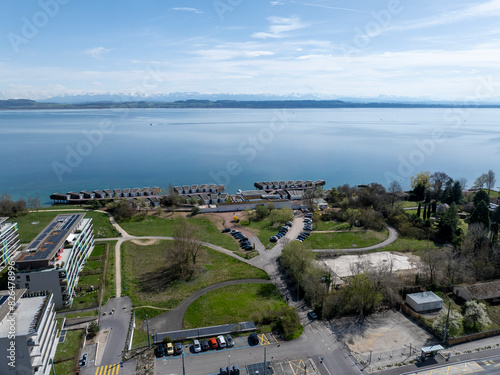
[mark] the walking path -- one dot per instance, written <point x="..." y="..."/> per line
<point x="172" y="320"/>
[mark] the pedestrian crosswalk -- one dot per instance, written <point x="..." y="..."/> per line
<point x="108" y="369"/>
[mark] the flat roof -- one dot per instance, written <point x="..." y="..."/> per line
<point x="3" y="219"/>
<point x="51" y="239"/>
<point x="4" y="306"/>
<point x="26" y="316"/>
<point x="424" y="297"/>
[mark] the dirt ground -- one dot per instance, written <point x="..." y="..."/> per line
<point x="347" y="265"/>
<point x="382" y="332"/>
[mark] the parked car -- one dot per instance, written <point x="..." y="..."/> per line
<point x="205" y="346"/>
<point x="170" y="348"/>
<point x="235" y="370"/>
<point x="196" y="346"/>
<point x="226" y="230"/>
<point x="229" y="341"/>
<point x="289" y="223"/>
<point x="160" y="351"/>
<point x="273" y="239"/>
<point x="213" y="343"/>
<point x="312" y="315"/>
<point x="222" y="341"/>
<point x="223" y="371"/>
<point x="253" y="339"/>
<point x="248" y="247"/>
<point x="178" y="348"/>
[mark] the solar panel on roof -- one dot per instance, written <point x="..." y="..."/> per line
<point x="3" y="299"/>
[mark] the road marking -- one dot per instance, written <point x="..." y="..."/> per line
<point x="263" y="339"/>
<point x="298" y="366"/>
<point x="242" y="343"/>
<point x="275" y="339"/>
<point x="108" y="369"/>
<point x="458" y="369"/>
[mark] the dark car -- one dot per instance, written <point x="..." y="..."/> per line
<point x="273" y="239"/>
<point x="312" y="315"/>
<point x="226" y="230"/>
<point x="223" y="371"/>
<point x="244" y="239"/>
<point x="205" y="346"/>
<point x="248" y="247"/>
<point x="160" y="351"/>
<point x="253" y="339"/>
<point x="229" y="341"/>
<point x="235" y="371"/>
<point x="178" y="348"/>
<point x="233" y="232"/>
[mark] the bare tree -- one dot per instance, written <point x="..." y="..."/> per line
<point x="394" y="187"/>
<point x="490" y="181"/>
<point x="187" y="246"/>
<point x="438" y="180"/>
<point x="34" y="203"/>
<point x="480" y="181"/>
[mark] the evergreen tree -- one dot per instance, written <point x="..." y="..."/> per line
<point x="456" y="193"/>
<point x="447" y="225"/>
<point x="418" y="209"/>
<point x="481" y="195"/>
<point x="481" y="215"/>
<point x="424" y="216"/>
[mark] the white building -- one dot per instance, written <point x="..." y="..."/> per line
<point x="9" y="241"/>
<point x="54" y="259"/>
<point x="33" y="335"/>
<point x="424" y="301"/>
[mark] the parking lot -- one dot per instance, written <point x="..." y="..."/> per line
<point x="241" y="342"/>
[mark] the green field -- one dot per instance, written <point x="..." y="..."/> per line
<point x="345" y="240"/>
<point x="263" y="229"/>
<point x="69" y="348"/>
<point x="330" y="225"/>
<point x="28" y="231"/>
<point x="146" y="276"/>
<point x="156" y="226"/>
<point x="82" y="314"/>
<point x="232" y="304"/>
<point x="109" y="276"/>
<point x="409" y="244"/>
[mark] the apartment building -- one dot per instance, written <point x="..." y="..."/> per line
<point x="9" y="241"/>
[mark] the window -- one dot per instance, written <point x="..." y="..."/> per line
<point x="27" y="277"/>
<point x="27" y="285"/>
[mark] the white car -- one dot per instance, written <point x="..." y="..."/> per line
<point x="196" y="346"/>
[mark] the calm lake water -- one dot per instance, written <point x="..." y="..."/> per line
<point x="43" y="152"/>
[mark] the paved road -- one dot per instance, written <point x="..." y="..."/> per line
<point x="118" y="325"/>
<point x="172" y="320"/>
<point x="393" y="236"/>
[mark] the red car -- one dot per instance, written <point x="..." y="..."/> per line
<point x="213" y="343"/>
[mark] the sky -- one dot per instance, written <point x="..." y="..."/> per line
<point x="439" y="50"/>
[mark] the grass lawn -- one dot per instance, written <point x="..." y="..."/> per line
<point x="66" y="367"/>
<point x="28" y="231"/>
<point x="144" y="274"/>
<point x="410" y="244"/>
<point x="405" y="204"/>
<point x="345" y="240"/>
<point x="85" y="301"/>
<point x="263" y="229"/>
<point x="157" y="226"/>
<point x="69" y="348"/>
<point x="331" y="225"/>
<point x="493" y="193"/>
<point x="232" y="304"/>
<point x="109" y="276"/>
<point x="82" y="314"/>
<point x="140" y="338"/>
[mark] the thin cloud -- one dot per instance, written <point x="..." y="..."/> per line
<point x="329" y="7"/>
<point x="491" y="8"/>
<point x="279" y="26"/>
<point x="97" y="52"/>
<point x="194" y="10"/>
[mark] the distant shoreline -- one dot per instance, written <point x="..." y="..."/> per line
<point x="24" y="104"/>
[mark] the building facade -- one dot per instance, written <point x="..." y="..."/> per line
<point x="54" y="259"/>
<point x="9" y="241"/>
<point x="30" y="347"/>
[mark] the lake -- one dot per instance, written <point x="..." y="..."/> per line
<point x="49" y="151"/>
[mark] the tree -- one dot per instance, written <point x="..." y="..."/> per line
<point x="121" y="209"/>
<point x="481" y="215"/>
<point x="418" y="209"/>
<point x="34" y="203"/>
<point x="351" y="216"/>
<point x="187" y="246"/>
<point x="480" y="181"/>
<point x="454" y="323"/>
<point x="422" y="178"/>
<point x="418" y="193"/>
<point x="475" y="315"/>
<point x="394" y="188"/>
<point x="361" y="295"/>
<point x="93" y="329"/>
<point x="438" y="180"/>
<point x="456" y="193"/>
<point x="481" y="196"/>
<point x="262" y="211"/>
<point x="195" y="210"/>
<point x="490" y="181"/>
<point x="447" y="225"/>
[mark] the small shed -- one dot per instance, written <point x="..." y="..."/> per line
<point x="424" y="302"/>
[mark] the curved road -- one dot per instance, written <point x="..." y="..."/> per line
<point x="393" y="236"/>
<point x="172" y="320"/>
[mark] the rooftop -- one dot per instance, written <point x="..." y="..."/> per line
<point x="4" y="305"/>
<point x="483" y="290"/>
<point x="51" y="240"/>
<point x="424" y="297"/>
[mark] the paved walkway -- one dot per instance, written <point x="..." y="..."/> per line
<point x="393" y="236"/>
<point x="173" y="319"/>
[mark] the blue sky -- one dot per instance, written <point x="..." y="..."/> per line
<point x="442" y="50"/>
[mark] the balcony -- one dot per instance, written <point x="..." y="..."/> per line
<point x="62" y="274"/>
<point x="35" y="352"/>
<point x="63" y="282"/>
